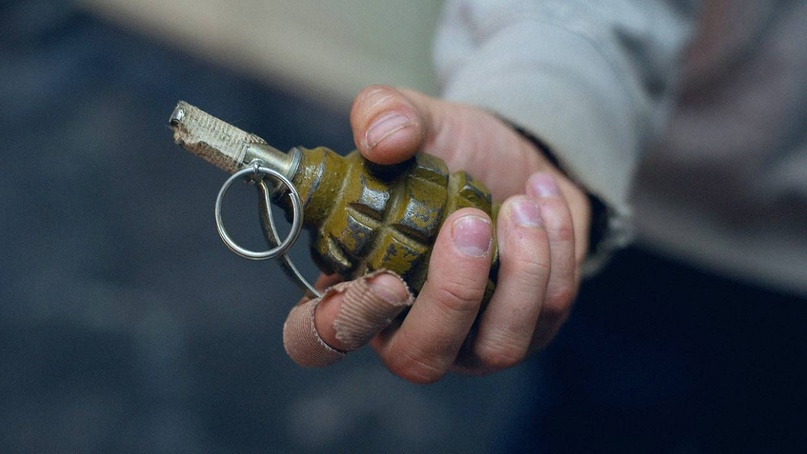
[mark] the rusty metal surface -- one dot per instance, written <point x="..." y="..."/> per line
<point x="367" y="217"/>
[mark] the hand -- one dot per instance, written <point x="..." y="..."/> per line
<point x="542" y="233"/>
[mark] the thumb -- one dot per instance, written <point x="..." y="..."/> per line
<point x="389" y="125"/>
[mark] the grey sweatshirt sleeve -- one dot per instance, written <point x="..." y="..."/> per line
<point x="592" y="79"/>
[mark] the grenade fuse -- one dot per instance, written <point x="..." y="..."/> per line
<point x="363" y="216"/>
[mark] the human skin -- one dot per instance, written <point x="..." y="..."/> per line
<point x="542" y="233"/>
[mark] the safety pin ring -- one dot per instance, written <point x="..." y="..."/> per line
<point x="297" y="219"/>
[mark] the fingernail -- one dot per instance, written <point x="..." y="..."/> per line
<point x="472" y="235"/>
<point x="381" y="284"/>
<point x="385" y="127"/>
<point x="543" y="185"/>
<point x="526" y="212"/>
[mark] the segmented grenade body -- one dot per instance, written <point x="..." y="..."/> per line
<point x="363" y="217"/>
<point x="366" y="217"/>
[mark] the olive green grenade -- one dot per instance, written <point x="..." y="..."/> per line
<point x="363" y="216"/>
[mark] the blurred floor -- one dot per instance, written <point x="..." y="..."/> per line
<point x="125" y="324"/>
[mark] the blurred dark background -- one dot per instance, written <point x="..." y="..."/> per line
<point x="125" y="324"/>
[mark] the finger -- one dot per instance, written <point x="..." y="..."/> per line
<point x="319" y="332"/>
<point x="387" y="127"/>
<point x="391" y="125"/>
<point x="427" y="342"/>
<point x="506" y="327"/>
<point x="327" y="280"/>
<point x="563" y="279"/>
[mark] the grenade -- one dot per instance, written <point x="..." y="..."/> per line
<point x="362" y="216"/>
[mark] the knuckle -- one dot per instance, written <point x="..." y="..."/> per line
<point x="560" y="296"/>
<point x="527" y="254"/>
<point x="558" y="300"/>
<point x="555" y="309"/>
<point x="531" y="268"/>
<point x="528" y="273"/>
<point x="498" y="355"/>
<point x="459" y="298"/>
<point x="413" y="369"/>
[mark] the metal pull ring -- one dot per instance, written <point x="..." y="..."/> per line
<point x="279" y="249"/>
<point x="258" y="170"/>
